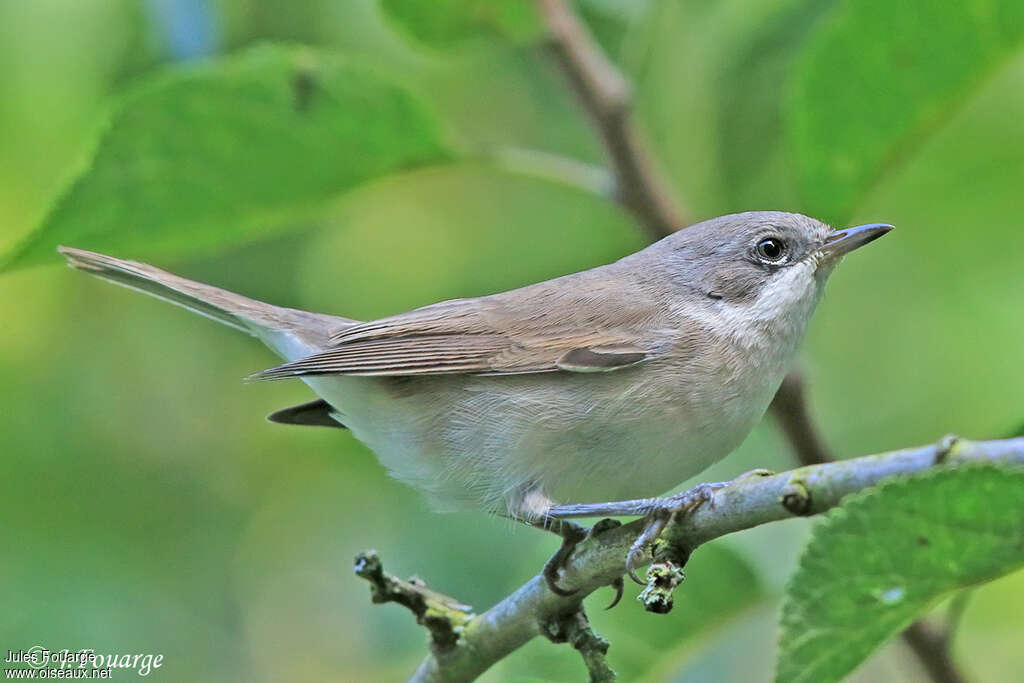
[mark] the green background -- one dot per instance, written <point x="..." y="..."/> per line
<point x="146" y="506"/>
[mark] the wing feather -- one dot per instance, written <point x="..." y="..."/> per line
<point x="562" y="325"/>
<point x="398" y="356"/>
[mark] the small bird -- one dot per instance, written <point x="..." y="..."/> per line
<point x="552" y="400"/>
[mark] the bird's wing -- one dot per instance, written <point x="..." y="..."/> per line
<point x="574" y="324"/>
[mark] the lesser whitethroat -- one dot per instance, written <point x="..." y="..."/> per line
<point x="539" y="403"/>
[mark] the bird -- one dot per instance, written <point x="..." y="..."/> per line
<point x="556" y="399"/>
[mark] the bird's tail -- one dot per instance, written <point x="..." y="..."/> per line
<point x="276" y="326"/>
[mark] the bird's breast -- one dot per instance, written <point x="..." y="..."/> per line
<point x="479" y="442"/>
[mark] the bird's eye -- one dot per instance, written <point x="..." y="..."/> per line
<point x="771" y="249"/>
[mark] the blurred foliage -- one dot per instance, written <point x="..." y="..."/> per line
<point x="177" y="171"/>
<point x="930" y="53"/>
<point x="875" y="563"/>
<point x="445" y="22"/>
<point x="150" y="509"/>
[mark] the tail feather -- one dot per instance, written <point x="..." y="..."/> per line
<point x="248" y="315"/>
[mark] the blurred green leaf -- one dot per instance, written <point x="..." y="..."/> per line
<point x="885" y="556"/>
<point x="609" y="22"/>
<point x="878" y="78"/>
<point x="221" y="153"/>
<point x="751" y="105"/>
<point x="448" y="24"/>
<point x="445" y="23"/>
<point x="721" y="68"/>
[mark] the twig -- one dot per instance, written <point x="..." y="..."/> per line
<point x="443" y="617"/>
<point x="606" y="95"/>
<point x="747" y="502"/>
<point x="931" y="645"/>
<point x="791" y="408"/>
<point x="574" y="628"/>
<point x="595" y="180"/>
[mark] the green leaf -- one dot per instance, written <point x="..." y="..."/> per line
<point x="750" y="103"/>
<point x="609" y="22"/>
<point x="887" y="555"/>
<point x="229" y="150"/>
<point x="878" y="78"/>
<point x="446" y="23"/>
<point x="722" y="69"/>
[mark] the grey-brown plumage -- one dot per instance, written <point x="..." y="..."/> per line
<point x="619" y="381"/>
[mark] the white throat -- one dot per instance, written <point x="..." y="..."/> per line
<point x="776" y="320"/>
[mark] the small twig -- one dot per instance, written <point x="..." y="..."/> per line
<point x="606" y="95"/>
<point x="574" y="628"/>
<point x="931" y="645"/>
<point x="792" y="410"/>
<point x="957" y="607"/>
<point x="444" y="617"/>
<point x="594" y="180"/>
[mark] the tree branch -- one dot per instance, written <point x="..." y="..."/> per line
<point x="606" y="95"/>
<point x="746" y="502"/>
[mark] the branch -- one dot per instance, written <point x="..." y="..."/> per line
<point x="606" y="95"/>
<point x="749" y="501"/>
<point x="443" y="617"/>
<point x="792" y="410"/>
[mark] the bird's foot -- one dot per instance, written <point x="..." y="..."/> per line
<point x="658" y="515"/>
<point x="572" y="535"/>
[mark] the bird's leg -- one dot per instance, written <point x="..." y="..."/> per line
<point x="657" y="511"/>
<point x="530" y="506"/>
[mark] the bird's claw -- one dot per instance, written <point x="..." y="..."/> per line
<point x="619" y="585"/>
<point x="572" y="535"/>
<point x="658" y="517"/>
<point x="656" y="521"/>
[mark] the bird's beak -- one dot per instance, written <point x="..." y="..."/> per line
<point x="843" y="242"/>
